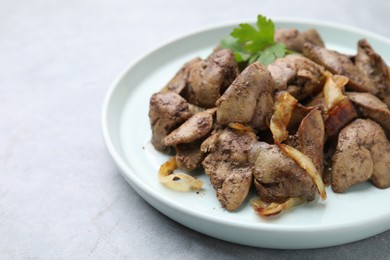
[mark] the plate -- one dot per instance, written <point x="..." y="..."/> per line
<point x="360" y="213"/>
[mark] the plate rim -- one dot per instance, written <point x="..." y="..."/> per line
<point x="129" y="174"/>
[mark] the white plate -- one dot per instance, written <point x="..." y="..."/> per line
<point x="362" y="212"/>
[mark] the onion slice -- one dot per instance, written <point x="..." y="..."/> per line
<point x="339" y="110"/>
<point x="283" y="109"/>
<point x="269" y="209"/>
<point x="241" y="127"/>
<point x="333" y="90"/>
<point x="305" y="163"/>
<point x="177" y="181"/>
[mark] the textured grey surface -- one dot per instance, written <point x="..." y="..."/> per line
<point x="61" y="195"/>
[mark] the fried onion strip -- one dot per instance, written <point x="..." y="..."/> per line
<point x="333" y="90"/>
<point x="177" y="181"/>
<point x="339" y="110"/>
<point x="283" y="108"/>
<point x="305" y="163"/>
<point x="269" y="209"/>
<point x="241" y="127"/>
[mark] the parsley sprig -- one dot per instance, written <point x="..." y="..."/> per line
<point x="250" y="45"/>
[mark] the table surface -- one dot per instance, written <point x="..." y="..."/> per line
<point x="61" y="195"/>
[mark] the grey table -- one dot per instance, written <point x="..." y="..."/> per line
<point x="61" y="196"/>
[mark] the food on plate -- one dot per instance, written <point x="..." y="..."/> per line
<point x="197" y="126"/>
<point x="167" y="111"/>
<point x="297" y="75"/>
<point x="338" y="109"/>
<point x="227" y="165"/>
<point x="311" y="138"/>
<point x="362" y="153"/>
<point x="338" y="64"/>
<point x="275" y="111"/>
<point x="294" y="39"/>
<point x="276" y="175"/>
<point x="188" y="138"/>
<point x="177" y="181"/>
<point x="250" y="44"/>
<point x="374" y="69"/>
<point x="284" y="107"/>
<point x="249" y="99"/>
<point x="201" y="82"/>
<point x="366" y="71"/>
<point x="178" y="83"/>
<point x="372" y="107"/>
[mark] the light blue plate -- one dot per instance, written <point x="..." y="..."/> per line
<point x="362" y="212"/>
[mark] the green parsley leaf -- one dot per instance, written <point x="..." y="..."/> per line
<point x="239" y="53"/>
<point x="269" y="54"/>
<point x="250" y="44"/>
<point x="255" y="40"/>
<point x="253" y="58"/>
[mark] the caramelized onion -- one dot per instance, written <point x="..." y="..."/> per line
<point x="305" y="163"/>
<point x="338" y="108"/>
<point x="241" y="127"/>
<point x="177" y="181"/>
<point x="283" y="108"/>
<point x="333" y="90"/>
<point x="269" y="209"/>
